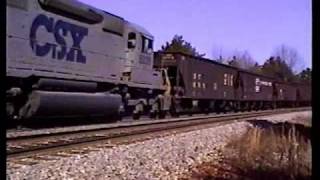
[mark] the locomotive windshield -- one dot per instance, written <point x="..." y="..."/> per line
<point x="147" y="45"/>
<point x="131" y="40"/>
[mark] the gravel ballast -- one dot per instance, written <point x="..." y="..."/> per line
<point x="162" y="158"/>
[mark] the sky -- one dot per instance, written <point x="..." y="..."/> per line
<point x="217" y="27"/>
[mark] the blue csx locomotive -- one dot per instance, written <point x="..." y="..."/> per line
<point x="66" y="59"/>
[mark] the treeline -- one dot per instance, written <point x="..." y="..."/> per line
<point x="279" y="65"/>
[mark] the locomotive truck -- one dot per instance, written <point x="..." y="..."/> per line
<point x="66" y="59"/>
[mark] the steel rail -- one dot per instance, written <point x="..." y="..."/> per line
<point x="132" y="124"/>
<point x="59" y="141"/>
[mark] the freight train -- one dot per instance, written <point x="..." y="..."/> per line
<point x="203" y="85"/>
<point x="66" y="59"/>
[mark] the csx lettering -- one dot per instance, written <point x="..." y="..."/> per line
<point x="60" y="30"/>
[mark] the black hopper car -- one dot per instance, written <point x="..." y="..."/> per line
<point x="204" y="85"/>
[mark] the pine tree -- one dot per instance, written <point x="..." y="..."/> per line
<point x="178" y="44"/>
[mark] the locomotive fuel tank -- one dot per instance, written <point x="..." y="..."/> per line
<point x="46" y="104"/>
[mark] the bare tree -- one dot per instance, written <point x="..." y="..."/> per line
<point x="219" y="54"/>
<point x="277" y="68"/>
<point x="242" y="59"/>
<point x="289" y="55"/>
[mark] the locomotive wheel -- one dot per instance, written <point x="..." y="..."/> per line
<point x="138" y="111"/>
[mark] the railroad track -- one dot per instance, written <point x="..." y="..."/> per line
<point x="78" y="141"/>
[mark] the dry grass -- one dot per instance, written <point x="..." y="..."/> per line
<point x="270" y="151"/>
<point x="283" y="153"/>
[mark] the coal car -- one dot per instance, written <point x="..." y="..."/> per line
<point x="203" y="85"/>
<point x="255" y="91"/>
<point x="287" y="94"/>
<point x="198" y="84"/>
<point x="303" y="94"/>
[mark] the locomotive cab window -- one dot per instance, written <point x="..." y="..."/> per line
<point x="147" y="45"/>
<point x="131" y="40"/>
